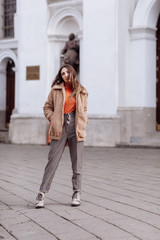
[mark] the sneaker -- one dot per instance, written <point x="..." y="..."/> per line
<point x="40" y="200"/>
<point x="76" y="199"/>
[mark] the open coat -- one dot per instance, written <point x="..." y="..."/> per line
<point x="54" y="111"/>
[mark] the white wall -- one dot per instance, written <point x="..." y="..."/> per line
<point x="125" y="14"/>
<point x="32" y="19"/>
<point x="99" y="56"/>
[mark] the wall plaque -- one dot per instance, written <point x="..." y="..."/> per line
<point x="33" y="73"/>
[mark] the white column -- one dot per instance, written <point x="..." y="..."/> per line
<point x="3" y="87"/>
<point x="99" y="56"/>
<point x="142" y="85"/>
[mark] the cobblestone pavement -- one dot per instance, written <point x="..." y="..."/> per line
<point x="120" y="197"/>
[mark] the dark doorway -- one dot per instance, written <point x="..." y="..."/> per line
<point x="158" y="76"/>
<point x="10" y="88"/>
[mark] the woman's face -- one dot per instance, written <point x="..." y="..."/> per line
<point x="65" y="75"/>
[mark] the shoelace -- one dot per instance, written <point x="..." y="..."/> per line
<point x="75" y="195"/>
<point x="39" y="197"/>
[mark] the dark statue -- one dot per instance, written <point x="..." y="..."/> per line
<point x="71" y="52"/>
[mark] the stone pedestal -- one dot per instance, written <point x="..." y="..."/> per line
<point x="103" y="132"/>
<point x="25" y="129"/>
<point x="136" y="122"/>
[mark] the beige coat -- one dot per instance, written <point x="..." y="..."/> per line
<point x="54" y="111"/>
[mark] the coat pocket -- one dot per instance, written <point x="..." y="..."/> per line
<point x="56" y="126"/>
<point x="81" y="126"/>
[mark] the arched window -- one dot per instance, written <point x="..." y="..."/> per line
<point x="8" y="18"/>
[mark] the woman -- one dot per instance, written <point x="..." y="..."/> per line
<point x="66" y="110"/>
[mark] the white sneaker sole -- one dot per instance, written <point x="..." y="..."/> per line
<point x="75" y="203"/>
<point x="39" y="205"/>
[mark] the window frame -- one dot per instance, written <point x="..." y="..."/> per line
<point x="9" y="9"/>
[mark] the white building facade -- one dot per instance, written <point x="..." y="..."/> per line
<point x="118" y="66"/>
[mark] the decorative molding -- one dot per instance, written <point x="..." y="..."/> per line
<point x="16" y="115"/>
<point x="62" y="38"/>
<point x="63" y="3"/>
<point x="131" y="108"/>
<point x="14" y="69"/>
<point x="8" y="43"/>
<point x="146" y="13"/>
<point x="142" y="32"/>
<point x="57" y="37"/>
<point x="103" y="116"/>
<point x="63" y="14"/>
<point x="8" y="53"/>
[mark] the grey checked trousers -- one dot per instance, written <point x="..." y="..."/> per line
<point x="56" y="150"/>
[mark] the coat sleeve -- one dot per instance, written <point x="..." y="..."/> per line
<point x="49" y="106"/>
<point x="85" y="105"/>
<point x="85" y="102"/>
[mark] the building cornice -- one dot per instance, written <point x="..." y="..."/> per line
<point x="64" y="3"/>
<point x="8" y="44"/>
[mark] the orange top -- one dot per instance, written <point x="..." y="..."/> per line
<point x="70" y="103"/>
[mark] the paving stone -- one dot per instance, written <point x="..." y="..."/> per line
<point x="5" y="235"/>
<point x="56" y="224"/>
<point x="11" y="217"/>
<point x="30" y="230"/>
<point x="75" y="235"/>
<point x="101" y="228"/>
<point x="120" y="195"/>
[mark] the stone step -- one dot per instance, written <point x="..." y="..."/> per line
<point x="152" y="141"/>
<point x="4" y="135"/>
<point x="148" y="141"/>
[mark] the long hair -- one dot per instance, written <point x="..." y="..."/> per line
<point x="75" y="85"/>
